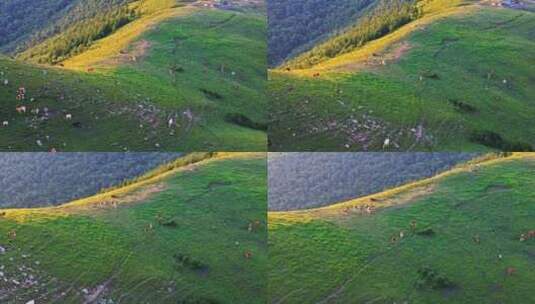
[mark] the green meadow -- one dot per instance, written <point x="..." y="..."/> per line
<point x="457" y="79"/>
<point x="202" y="68"/>
<point x="194" y="234"/>
<point x="454" y="239"/>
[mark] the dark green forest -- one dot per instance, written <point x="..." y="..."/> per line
<point x="26" y="23"/>
<point x="41" y="179"/>
<point x="386" y="17"/>
<point x="295" y="26"/>
<point x="306" y="180"/>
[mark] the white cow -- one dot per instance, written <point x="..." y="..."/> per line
<point x="5" y="123"/>
<point x="386" y="143"/>
<point x="68" y="116"/>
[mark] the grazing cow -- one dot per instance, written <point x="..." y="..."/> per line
<point x="526" y="236"/>
<point x="21" y="93"/>
<point x="413" y="225"/>
<point x="39" y="143"/>
<point x="248" y="254"/>
<point x="6" y="82"/>
<point x="476" y="239"/>
<point x="510" y="271"/>
<point x="171" y="122"/>
<point x="253" y="226"/>
<point x="386" y="143"/>
<point x="90" y="70"/>
<point x="68" y="116"/>
<point x="316" y="75"/>
<point x="21" y="109"/>
<point x="401" y="234"/>
<point x="12" y="234"/>
<point x="5" y="123"/>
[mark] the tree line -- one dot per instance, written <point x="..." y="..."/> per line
<point x="26" y="23"/>
<point x="386" y="17"/>
<point x="306" y="180"/>
<point x="77" y="38"/>
<point x="295" y="26"/>
<point x="41" y="179"/>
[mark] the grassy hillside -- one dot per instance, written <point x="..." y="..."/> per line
<point x="180" y="237"/>
<point x="173" y="61"/>
<point x="454" y="79"/>
<point x="465" y="246"/>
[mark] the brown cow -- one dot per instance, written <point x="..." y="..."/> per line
<point x="248" y="254"/>
<point x="528" y="235"/>
<point x="21" y="109"/>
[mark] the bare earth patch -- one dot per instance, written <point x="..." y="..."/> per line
<point x="392" y="55"/>
<point x="136" y="53"/>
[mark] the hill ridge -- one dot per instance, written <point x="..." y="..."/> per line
<point x="405" y="189"/>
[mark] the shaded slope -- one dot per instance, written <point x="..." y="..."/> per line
<point x="177" y="238"/>
<point x="455" y="79"/>
<point x="465" y="246"/>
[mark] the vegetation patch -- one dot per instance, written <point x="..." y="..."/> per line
<point x="211" y="94"/>
<point x="185" y="261"/>
<point x="245" y="121"/>
<point x="428" y="232"/>
<point x="463" y="107"/>
<point x="430" y="278"/>
<point x="496" y="141"/>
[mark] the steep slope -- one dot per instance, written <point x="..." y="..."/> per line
<point x="454" y="79"/>
<point x="179" y="237"/>
<point x="455" y="238"/>
<point x="174" y="62"/>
